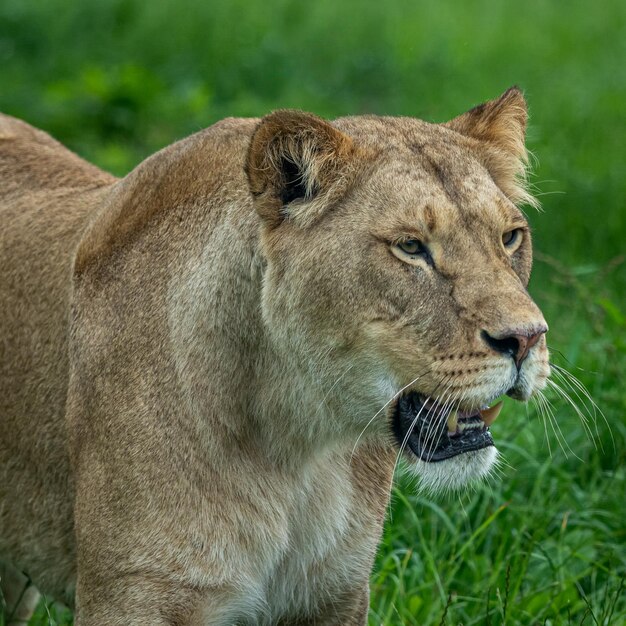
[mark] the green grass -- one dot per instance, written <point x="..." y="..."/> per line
<point x="543" y="542"/>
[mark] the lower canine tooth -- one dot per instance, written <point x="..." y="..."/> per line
<point x="488" y="416"/>
<point x="453" y="420"/>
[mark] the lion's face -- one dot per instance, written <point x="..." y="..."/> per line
<point x="396" y="278"/>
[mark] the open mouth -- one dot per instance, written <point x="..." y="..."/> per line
<point x="434" y="432"/>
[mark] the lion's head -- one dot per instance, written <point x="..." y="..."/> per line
<point x="397" y="266"/>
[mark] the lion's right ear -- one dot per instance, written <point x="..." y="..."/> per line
<point x="500" y="127"/>
<point x="295" y="158"/>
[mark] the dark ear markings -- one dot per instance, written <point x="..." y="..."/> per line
<point x="295" y="158"/>
<point x="294" y="187"/>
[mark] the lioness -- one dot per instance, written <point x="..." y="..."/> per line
<point x="210" y="366"/>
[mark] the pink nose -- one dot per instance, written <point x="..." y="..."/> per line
<point x="514" y="343"/>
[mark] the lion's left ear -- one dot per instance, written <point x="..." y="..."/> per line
<point x="500" y="127"/>
<point x="295" y="158"/>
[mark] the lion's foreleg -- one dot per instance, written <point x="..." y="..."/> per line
<point x="20" y="595"/>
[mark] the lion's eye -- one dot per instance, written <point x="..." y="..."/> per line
<point x="412" y="247"/>
<point x="511" y="238"/>
<point x="412" y="251"/>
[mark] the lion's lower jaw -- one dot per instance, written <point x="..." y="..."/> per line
<point x="457" y="472"/>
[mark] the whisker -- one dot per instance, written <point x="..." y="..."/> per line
<point x="551" y="420"/>
<point x="409" y="431"/>
<point x="502" y="461"/>
<point x="437" y="421"/>
<point x="394" y="397"/>
<point x="576" y="386"/>
<point x="563" y="438"/>
<point x="563" y="394"/>
<point x="430" y="419"/>
<point x="592" y="414"/>
<point x="341" y="376"/>
<point x="406" y="438"/>
<point x="571" y="380"/>
<point x="538" y="402"/>
<point x="555" y="422"/>
<point x="569" y="363"/>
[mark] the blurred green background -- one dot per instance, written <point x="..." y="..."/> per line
<point x="115" y="80"/>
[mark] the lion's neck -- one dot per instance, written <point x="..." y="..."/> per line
<point x="239" y="393"/>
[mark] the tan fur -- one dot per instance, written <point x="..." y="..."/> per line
<point x="192" y="355"/>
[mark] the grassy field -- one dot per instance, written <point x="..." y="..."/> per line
<point x="545" y="541"/>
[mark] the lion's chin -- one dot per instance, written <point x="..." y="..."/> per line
<point x="456" y="472"/>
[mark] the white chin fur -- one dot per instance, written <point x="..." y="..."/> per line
<point x="455" y="473"/>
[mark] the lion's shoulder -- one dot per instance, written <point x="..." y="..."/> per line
<point x="199" y="177"/>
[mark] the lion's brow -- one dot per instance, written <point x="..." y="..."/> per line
<point x="430" y="218"/>
<point x="436" y="170"/>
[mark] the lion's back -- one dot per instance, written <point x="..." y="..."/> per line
<point x="47" y="194"/>
<point x="31" y="160"/>
<point x="59" y="213"/>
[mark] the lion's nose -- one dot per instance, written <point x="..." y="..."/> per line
<point x="515" y="343"/>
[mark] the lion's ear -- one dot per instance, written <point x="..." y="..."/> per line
<point x="294" y="158"/>
<point x="500" y="127"/>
